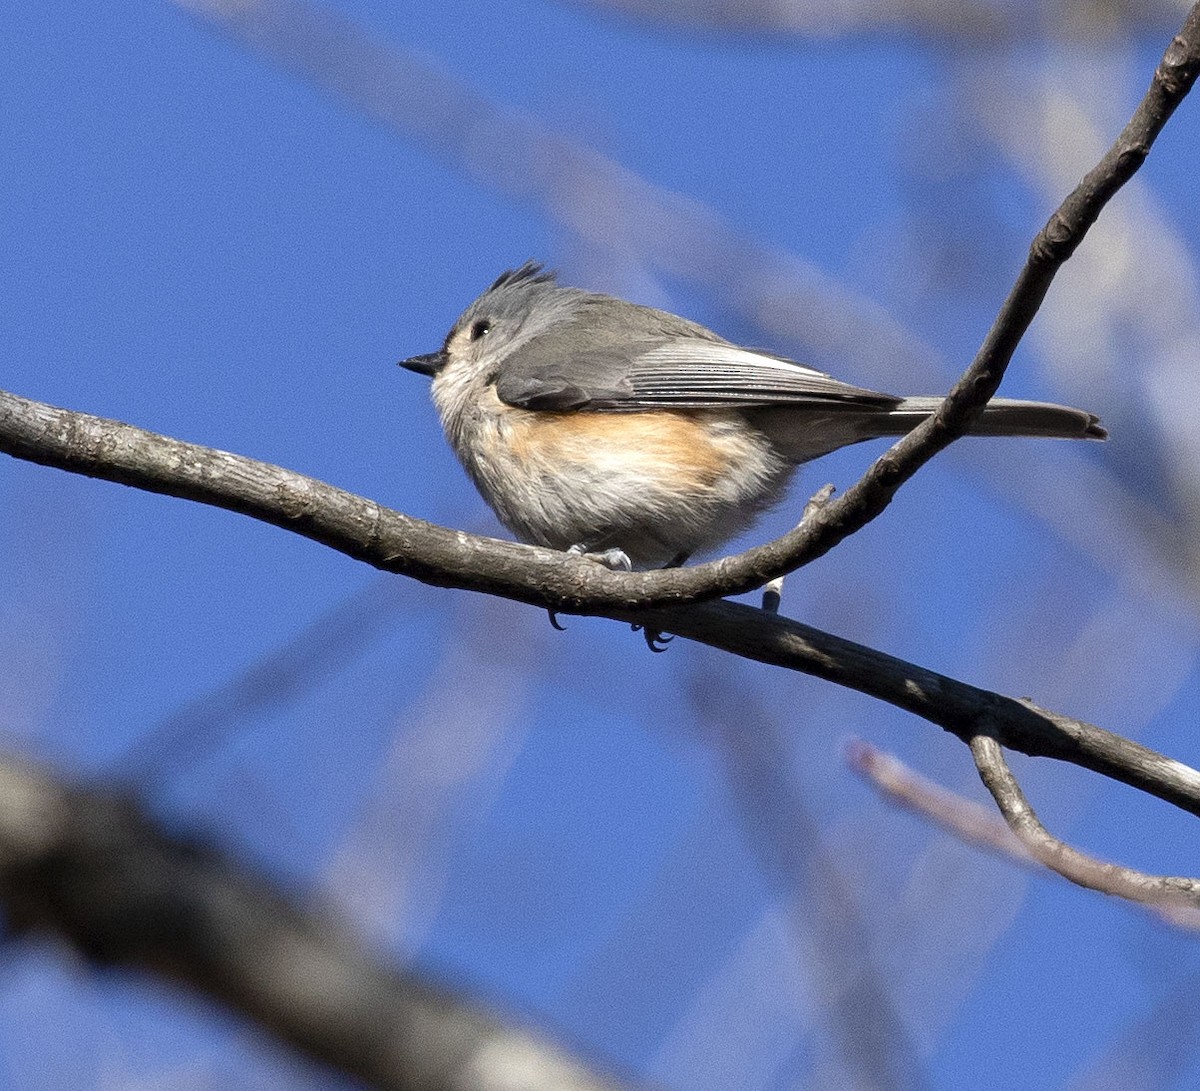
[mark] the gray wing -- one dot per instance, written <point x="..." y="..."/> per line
<point x="667" y="372"/>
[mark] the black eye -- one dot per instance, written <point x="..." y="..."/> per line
<point x="480" y="329"/>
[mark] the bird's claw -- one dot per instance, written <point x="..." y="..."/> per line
<point x="653" y="638"/>
<point x="615" y="560"/>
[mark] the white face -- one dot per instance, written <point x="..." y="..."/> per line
<point x="467" y="345"/>
<point x="460" y="387"/>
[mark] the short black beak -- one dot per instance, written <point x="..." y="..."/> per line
<point x="429" y="364"/>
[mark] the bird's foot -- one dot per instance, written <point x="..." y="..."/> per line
<point x="654" y="638"/>
<point x="615" y="560"/>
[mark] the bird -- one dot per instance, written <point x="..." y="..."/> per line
<point x="637" y="437"/>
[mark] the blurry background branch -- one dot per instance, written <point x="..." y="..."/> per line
<point x="983" y="24"/>
<point x="967" y="820"/>
<point x="304" y="662"/>
<point x="93" y="869"/>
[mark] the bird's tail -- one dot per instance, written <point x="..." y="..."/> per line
<point x="817" y="429"/>
<point x="1002" y="417"/>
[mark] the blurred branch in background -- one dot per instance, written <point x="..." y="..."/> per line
<point x="446" y="761"/>
<point x="967" y="820"/>
<point x="862" y="1036"/>
<point x="95" y="870"/>
<point x="973" y="24"/>
<point x="318" y="651"/>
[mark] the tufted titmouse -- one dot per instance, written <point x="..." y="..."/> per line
<point x="600" y="426"/>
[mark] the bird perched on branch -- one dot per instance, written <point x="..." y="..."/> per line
<point x="600" y="426"/>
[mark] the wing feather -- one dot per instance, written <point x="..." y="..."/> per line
<point x="680" y="373"/>
<point x="694" y="372"/>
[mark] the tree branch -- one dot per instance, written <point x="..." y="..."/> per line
<point x="1164" y="891"/>
<point x="96" y="870"/>
<point x="971" y="824"/>
<point x="369" y="532"/>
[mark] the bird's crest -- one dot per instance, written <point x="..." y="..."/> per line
<point x="532" y="272"/>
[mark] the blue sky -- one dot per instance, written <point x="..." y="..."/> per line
<point x="636" y="852"/>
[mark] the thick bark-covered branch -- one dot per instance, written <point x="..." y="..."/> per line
<point x="398" y="543"/>
<point x="97" y="871"/>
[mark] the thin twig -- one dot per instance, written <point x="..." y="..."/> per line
<point x="1175" y="892"/>
<point x="975" y="826"/>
